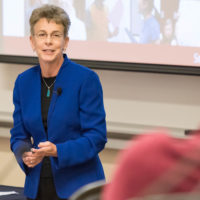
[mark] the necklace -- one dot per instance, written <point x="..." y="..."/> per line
<point x="48" y="87"/>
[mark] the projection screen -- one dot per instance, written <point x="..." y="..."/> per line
<point x="160" y="32"/>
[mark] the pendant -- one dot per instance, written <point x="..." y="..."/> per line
<point x="48" y="93"/>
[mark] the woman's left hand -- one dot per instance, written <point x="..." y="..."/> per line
<point x="31" y="159"/>
<point x="46" y="149"/>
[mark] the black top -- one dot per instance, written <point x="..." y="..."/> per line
<point x="45" y="102"/>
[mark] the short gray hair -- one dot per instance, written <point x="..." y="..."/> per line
<point x="50" y="12"/>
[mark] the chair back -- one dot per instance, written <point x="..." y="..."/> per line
<point x="91" y="191"/>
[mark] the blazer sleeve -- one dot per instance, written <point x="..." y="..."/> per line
<point x="20" y="139"/>
<point x="92" y="123"/>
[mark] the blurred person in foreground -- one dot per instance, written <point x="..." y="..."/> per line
<point x="59" y="118"/>
<point x="156" y="164"/>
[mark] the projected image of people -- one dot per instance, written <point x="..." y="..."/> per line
<point x="70" y="6"/>
<point x="98" y="22"/>
<point x="169" y="16"/>
<point x="110" y="30"/>
<point x="145" y="25"/>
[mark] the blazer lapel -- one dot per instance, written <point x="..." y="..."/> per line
<point x="58" y="84"/>
<point x="36" y="102"/>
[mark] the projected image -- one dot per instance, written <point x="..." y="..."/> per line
<point x="75" y="9"/>
<point x="120" y="26"/>
<point x="92" y="20"/>
<point x="130" y="21"/>
<point x="144" y="27"/>
<point x="168" y="17"/>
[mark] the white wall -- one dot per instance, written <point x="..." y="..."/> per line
<point x="146" y="100"/>
<point x="134" y="102"/>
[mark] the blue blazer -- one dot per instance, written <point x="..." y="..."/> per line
<point x="76" y="125"/>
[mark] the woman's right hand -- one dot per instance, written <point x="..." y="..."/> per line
<point x="32" y="159"/>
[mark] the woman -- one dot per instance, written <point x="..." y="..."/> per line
<point x="59" y="118"/>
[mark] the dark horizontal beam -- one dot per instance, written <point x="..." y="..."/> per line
<point x="107" y="65"/>
<point x="110" y="135"/>
<point x="121" y="136"/>
<point x="6" y="124"/>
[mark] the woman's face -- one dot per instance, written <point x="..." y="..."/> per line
<point x="49" y="41"/>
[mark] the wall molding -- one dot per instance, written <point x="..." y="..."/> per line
<point x="119" y="134"/>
